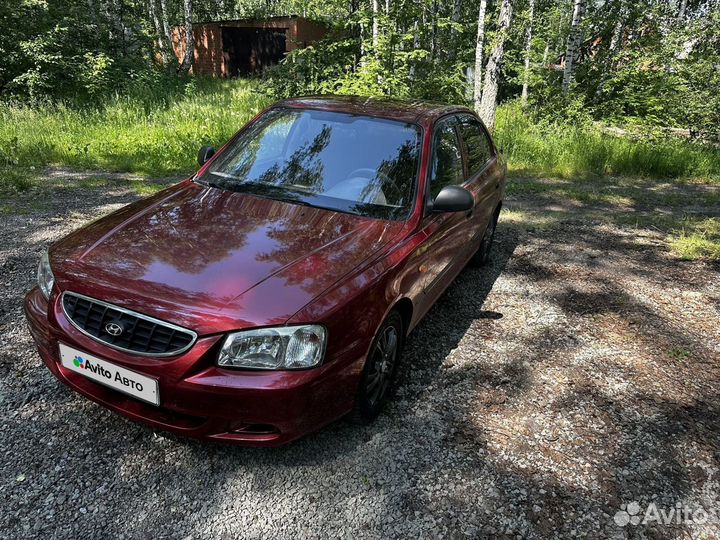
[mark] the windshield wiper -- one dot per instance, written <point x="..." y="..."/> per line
<point x="275" y="193"/>
<point x="227" y="187"/>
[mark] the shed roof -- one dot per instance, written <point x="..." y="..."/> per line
<point x="250" y="20"/>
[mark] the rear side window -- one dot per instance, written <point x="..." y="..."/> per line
<point x="447" y="166"/>
<point x="477" y="144"/>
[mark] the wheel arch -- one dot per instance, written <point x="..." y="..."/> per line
<point x="496" y="213"/>
<point x="405" y="307"/>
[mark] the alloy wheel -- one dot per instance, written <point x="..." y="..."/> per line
<point x="383" y="359"/>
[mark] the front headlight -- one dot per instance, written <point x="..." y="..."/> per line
<point x="46" y="280"/>
<point x="284" y="347"/>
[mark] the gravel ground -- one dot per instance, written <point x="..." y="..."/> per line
<point x="569" y="390"/>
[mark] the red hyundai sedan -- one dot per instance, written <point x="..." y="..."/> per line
<point x="271" y="293"/>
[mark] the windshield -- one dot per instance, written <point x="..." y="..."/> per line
<point x="343" y="162"/>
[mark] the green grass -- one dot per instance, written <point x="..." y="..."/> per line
<point x="145" y="136"/>
<point x="159" y="133"/>
<point x="697" y="239"/>
<point x="573" y="151"/>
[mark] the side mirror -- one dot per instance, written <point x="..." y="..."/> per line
<point x="205" y="153"/>
<point x="453" y="199"/>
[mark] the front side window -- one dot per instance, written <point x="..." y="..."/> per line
<point x="447" y="166"/>
<point x="477" y="145"/>
<point x="344" y="162"/>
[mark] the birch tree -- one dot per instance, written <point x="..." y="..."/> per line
<point x="189" y="38"/>
<point x="573" y="44"/>
<point x="162" y="46"/>
<point x="433" y="33"/>
<point x="528" y="46"/>
<point x="455" y="18"/>
<point x="683" y="8"/>
<point x="166" y="25"/>
<point x="416" y="46"/>
<point x="479" y="44"/>
<point x="376" y="25"/>
<point x="488" y="102"/>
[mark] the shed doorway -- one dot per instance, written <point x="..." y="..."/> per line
<point x="248" y="51"/>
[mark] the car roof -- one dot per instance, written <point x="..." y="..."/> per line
<point x="411" y="111"/>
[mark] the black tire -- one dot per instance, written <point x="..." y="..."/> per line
<point x="379" y="371"/>
<point x="484" y="252"/>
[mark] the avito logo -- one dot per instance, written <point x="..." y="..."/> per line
<point x="97" y="369"/>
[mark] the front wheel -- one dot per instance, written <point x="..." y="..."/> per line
<point x="379" y="370"/>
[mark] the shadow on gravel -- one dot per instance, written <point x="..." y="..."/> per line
<point x="651" y="437"/>
<point x="440" y="332"/>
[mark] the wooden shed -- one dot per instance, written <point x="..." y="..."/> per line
<point x="245" y="46"/>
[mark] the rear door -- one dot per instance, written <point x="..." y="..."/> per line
<point x="483" y="175"/>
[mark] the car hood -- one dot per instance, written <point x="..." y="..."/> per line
<point x="215" y="260"/>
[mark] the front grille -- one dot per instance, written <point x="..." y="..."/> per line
<point x="138" y="333"/>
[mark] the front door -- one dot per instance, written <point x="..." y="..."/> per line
<point x="445" y="250"/>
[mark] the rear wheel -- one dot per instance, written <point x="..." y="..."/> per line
<point x="482" y="255"/>
<point x="379" y="370"/>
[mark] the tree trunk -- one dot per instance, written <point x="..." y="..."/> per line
<point x="683" y="8"/>
<point x="166" y="26"/>
<point x="376" y="25"/>
<point x="433" y="34"/>
<point x="162" y="48"/>
<point x="528" y="46"/>
<point x="189" y="38"/>
<point x="573" y="44"/>
<point x="479" y="44"/>
<point x="416" y="46"/>
<point x="455" y="18"/>
<point x="363" y="51"/>
<point x="488" y="103"/>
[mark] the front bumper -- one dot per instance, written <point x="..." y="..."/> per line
<point x="197" y="398"/>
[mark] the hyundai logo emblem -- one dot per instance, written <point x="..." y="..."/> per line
<point x="113" y="328"/>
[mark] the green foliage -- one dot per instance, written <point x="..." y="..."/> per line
<point x="70" y="49"/>
<point x="403" y="64"/>
<point x="315" y="69"/>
